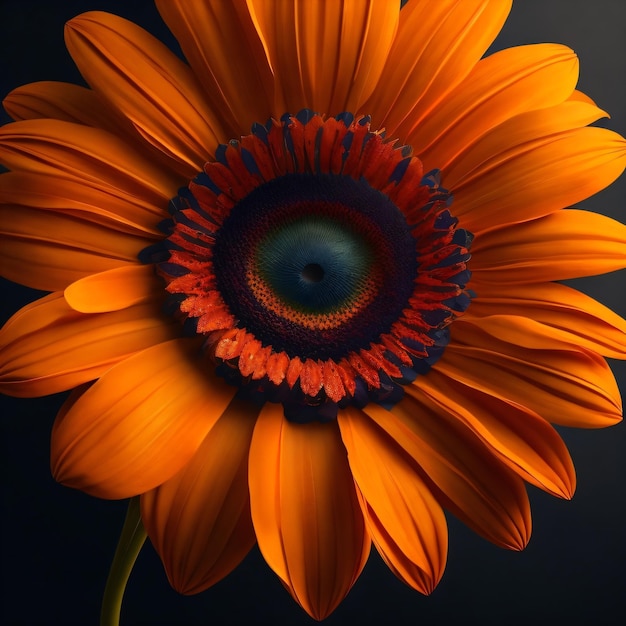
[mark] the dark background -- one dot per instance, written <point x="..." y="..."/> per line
<point x="57" y="543"/>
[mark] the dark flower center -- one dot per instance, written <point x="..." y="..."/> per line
<point x="312" y="273"/>
<point x="316" y="265"/>
<point x="319" y="262"/>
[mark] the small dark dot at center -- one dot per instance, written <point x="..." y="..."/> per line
<point x="312" y="272"/>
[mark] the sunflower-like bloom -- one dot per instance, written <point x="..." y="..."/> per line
<point x="262" y="290"/>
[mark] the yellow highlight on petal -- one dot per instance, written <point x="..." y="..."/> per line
<point x="114" y="290"/>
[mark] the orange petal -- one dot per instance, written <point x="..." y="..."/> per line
<point x="199" y="520"/>
<point x="572" y="315"/>
<point x="523" y="332"/>
<point x="579" y="96"/>
<point x="114" y="290"/>
<point x="466" y="163"/>
<point x="566" y="244"/>
<point x="499" y="88"/>
<point x="305" y="510"/>
<point x="568" y="387"/>
<point x="468" y="479"/>
<point x="88" y="155"/>
<point x="325" y="56"/>
<point x="517" y="436"/>
<point x="238" y="87"/>
<point x="147" y="83"/>
<point x="113" y="208"/>
<point x="48" y="250"/>
<point x="437" y="45"/>
<point x="47" y="347"/>
<point x="522" y="182"/>
<point x="59" y="101"/>
<point x="72" y="103"/>
<point x="406" y="523"/>
<point x="140" y="423"/>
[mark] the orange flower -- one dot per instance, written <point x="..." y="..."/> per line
<point x="338" y="377"/>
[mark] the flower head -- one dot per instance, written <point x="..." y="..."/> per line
<point x="306" y="290"/>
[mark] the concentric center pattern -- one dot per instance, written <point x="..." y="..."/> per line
<point x="315" y="264"/>
<point x="319" y="262"/>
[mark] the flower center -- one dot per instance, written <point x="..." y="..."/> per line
<point x="319" y="262"/>
<point x="312" y="273"/>
<point x="315" y="263"/>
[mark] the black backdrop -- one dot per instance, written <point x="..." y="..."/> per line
<point x="57" y="543"/>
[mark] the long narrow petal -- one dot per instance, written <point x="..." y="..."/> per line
<point x="47" y="347"/>
<point x="464" y="164"/>
<point x="239" y="87"/>
<point x="305" y="511"/>
<point x="114" y="208"/>
<point x="518" y="437"/>
<point x="569" y="387"/>
<point x="500" y="87"/>
<point x="199" y="520"/>
<point x="146" y="82"/>
<point x="405" y="520"/>
<point x="89" y="155"/>
<point x="522" y="182"/>
<point x="469" y="480"/>
<point x="59" y="101"/>
<point x="326" y="56"/>
<point x="575" y="316"/>
<point x="437" y="45"/>
<point x="114" y="289"/>
<point x="139" y="424"/>
<point x="80" y="105"/>
<point x="522" y="331"/>
<point x="49" y="250"/>
<point x="566" y="244"/>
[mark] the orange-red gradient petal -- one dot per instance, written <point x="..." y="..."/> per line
<point x="305" y="510"/>
<point x="199" y="520"/>
<point x="47" y="347"/>
<point x="405" y="520"/>
<point x="140" y="423"/>
<point x="466" y="478"/>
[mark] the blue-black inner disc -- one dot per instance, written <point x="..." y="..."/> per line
<point x="314" y="242"/>
<point x="315" y="264"/>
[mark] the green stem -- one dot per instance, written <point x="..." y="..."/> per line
<point x="130" y="543"/>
